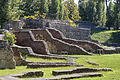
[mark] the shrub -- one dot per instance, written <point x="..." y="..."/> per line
<point x="10" y="37"/>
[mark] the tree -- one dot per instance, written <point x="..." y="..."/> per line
<point x="117" y="14"/>
<point x="3" y="11"/>
<point x="101" y="14"/>
<point x="110" y="15"/>
<point x="43" y="6"/>
<point x="82" y="9"/>
<point x="28" y="7"/>
<point x="72" y="10"/>
<point x="61" y="14"/>
<point x="10" y="37"/>
<point x="54" y="9"/>
<point x="9" y="10"/>
<point x="13" y="10"/>
<point x="91" y="9"/>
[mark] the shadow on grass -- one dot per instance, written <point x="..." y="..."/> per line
<point x="115" y="38"/>
<point x="96" y="31"/>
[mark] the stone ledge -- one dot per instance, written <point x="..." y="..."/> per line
<point x="50" y="64"/>
<point x="91" y="62"/>
<point x="80" y="75"/>
<point x="79" y="70"/>
<point x="29" y="74"/>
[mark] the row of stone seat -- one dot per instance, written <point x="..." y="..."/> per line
<point x="50" y="64"/>
<point x="80" y="75"/>
<point x="79" y="70"/>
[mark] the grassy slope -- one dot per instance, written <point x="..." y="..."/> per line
<point x="109" y="61"/>
<point x="106" y="36"/>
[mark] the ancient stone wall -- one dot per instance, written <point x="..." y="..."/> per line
<point x="63" y="26"/>
<point x="87" y="45"/>
<point x="26" y="38"/>
<point x="56" y="45"/>
<point x="43" y="41"/>
<point x="6" y="56"/>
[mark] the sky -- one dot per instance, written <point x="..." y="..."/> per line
<point x="76" y="1"/>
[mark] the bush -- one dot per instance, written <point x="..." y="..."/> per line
<point x="10" y="37"/>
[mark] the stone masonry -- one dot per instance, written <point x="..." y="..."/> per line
<point x="6" y="56"/>
<point x="63" y="26"/>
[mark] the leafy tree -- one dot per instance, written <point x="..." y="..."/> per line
<point x="9" y="10"/>
<point x="28" y="7"/>
<point x="101" y="14"/>
<point x="3" y="11"/>
<point x="82" y="9"/>
<point x="13" y="10"/>
<point x="41" y="6"/>
<point x="117" y="14"/>
<point x="93" y="11"/>
<point x="71" y="10"/>
<point x="54" y="9"/>
<point x="61" y="14"/>
<point x="110" y="15"/>
<point x="10" y="37"/>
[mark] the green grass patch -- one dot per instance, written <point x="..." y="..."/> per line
<point x="105" y="61"/>
<point x="106" y="36"/>
<point x="44" y="60"/>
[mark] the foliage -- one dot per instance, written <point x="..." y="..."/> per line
<point x="36" y="15"/>
<point x="71" y="11"/>
<point x="13" y="10"/>
<point x="117" y="14"/>
<point x="96" y="10"/>
<point x="54" y="9"/>
<point x="110" y="15"/>
<point x="10" y="37"/>
<point x="9" y="10"/>
<point x="28" y="7"/>
<point x="72" y="23"/>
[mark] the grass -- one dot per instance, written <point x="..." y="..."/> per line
<point x="108" y="61"/>
<point x="106" y="36"/>
<point x="44" y="60"/>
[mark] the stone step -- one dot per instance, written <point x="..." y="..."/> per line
<point x="89" y="62"/>
<point x="50" y="64"/>
<point x="28" y="74"/>
<point x="72" y="76"/>
<point x="79" y="70"/>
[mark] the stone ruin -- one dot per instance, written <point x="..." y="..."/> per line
<point x="40" y="38"/>
<point x="6" y="56"/>
<point x="63" y="26"/>
<point x="43" y="37"/>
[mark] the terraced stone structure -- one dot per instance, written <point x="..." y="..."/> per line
<point x="45" y="41"/>
<point x="61" y="25"/>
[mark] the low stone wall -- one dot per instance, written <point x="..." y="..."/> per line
<point x="79" y="70"/>
<point x="30" y="74"/>
<point x="6" y="56"/>
<point x="26" y="39"/>
<point x="72" y="76"/>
